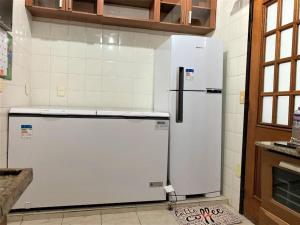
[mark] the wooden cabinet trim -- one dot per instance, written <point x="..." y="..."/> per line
<point x="29" y="3"/>
<point x="267" y="218"/>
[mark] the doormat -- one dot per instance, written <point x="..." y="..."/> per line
<point x="210" y="215"/>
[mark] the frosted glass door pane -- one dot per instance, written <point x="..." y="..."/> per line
<point x="269" y="79"/>
<point x="270" y="48"/>
<point x="299" y="39"/>
<point x="284" y="76"/>
<point x="286" y="42"/>
<point x="283" y="110"/>
<point x="267" y="109"/>
<point x="298" y="76"/>
<point x="272" y="17"/>
<point x="297" y="102"/>
<point x="287" y="11"/>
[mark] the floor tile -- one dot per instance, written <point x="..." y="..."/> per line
<point x="14" y="223"/>
<point x="15" y="218"/>
<point x="81" y="213"/>
<point x="130" y="218"/>
<point x="147" y="207"/>
<point x="42" y="216"/>
<point x="82" y="220"/>
<point x="52" y="221"/>
<point x="157" y="217"/>
<point x="116" y="210"/>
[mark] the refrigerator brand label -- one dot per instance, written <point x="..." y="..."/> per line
<point x="162" y="125"/>
<point x="156" y="184"/>
<point x="26" y="131"/>
<point x="189" y="74"/>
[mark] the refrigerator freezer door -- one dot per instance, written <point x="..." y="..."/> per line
<point x="195" y="144"/>
<point x="202" y="59"/>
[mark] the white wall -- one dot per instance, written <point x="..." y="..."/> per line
<point x="13" y="93"/>
<point x="97" y="66"/>
<point x="233" y="30"/>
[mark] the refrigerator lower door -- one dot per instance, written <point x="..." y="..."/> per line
<point x="195" y="143"/>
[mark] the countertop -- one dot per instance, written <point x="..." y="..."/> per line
<point x="52" y="111"/>
<point x="13" y="183"/>
<point x="280" y="149"/>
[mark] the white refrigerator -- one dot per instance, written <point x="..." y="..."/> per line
<point x="188" y="85"/>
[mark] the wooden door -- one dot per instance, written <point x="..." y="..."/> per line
<point x="274" y="89"/>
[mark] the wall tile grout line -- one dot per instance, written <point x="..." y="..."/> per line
<point x="138" y="217"/>
<point x="62" y="219"/>
<point x="100" y="217"/>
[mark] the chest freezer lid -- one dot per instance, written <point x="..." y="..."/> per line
<point x="132" y="114"/>
<point x="53" y="111"/>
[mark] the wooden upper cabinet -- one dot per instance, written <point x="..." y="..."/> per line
<point x="143" y="10"/>
<point x="201" y="13"/>
<point x="172" y="11"/>
<point x="84" y="6"/>
<point x="47" y="4"/>
<point x="185" y="16"/>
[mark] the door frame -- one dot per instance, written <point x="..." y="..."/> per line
<point x="250" y="198"/>
<point x="246" y="108"/>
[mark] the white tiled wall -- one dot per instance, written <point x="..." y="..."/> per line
<point x="233" y="30"/>
<point x="13" y="93"/>
<point x="113" y="67"/>
<point x="96" y="66"/>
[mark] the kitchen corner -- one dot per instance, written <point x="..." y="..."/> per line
<point x="149" y="112"/>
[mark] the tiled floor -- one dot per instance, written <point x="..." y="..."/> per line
<point x="153" y="217"/>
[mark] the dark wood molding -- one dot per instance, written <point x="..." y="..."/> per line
<point x="250" y="203"/>
<point x="246" y="108"/>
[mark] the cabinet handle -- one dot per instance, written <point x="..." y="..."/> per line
<point x="289" y="167"/>
<point x="190" y="17"/>
<point x="60" y="3"/>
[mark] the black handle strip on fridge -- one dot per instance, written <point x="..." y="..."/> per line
<point x="213" y="91"/>
<point x="179" y="106"/>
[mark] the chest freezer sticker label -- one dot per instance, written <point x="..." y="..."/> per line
<point x="26" y="131"/>
<point x="189" y="74"/>
<point x="162" y="125"/>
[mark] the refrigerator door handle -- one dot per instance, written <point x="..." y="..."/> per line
<point x="213" y="91"/>
<point x="179" y="103"/>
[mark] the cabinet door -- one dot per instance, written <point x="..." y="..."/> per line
<point x="49" y="4"/>
<point x="280" y="188"/>
<point x="144" y="10"/>
<point x="201" y="13"/>
<point x="84" y="6"/>
<point x="172" y="11"/>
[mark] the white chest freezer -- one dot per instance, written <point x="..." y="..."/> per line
<point x="82" y="157"/>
